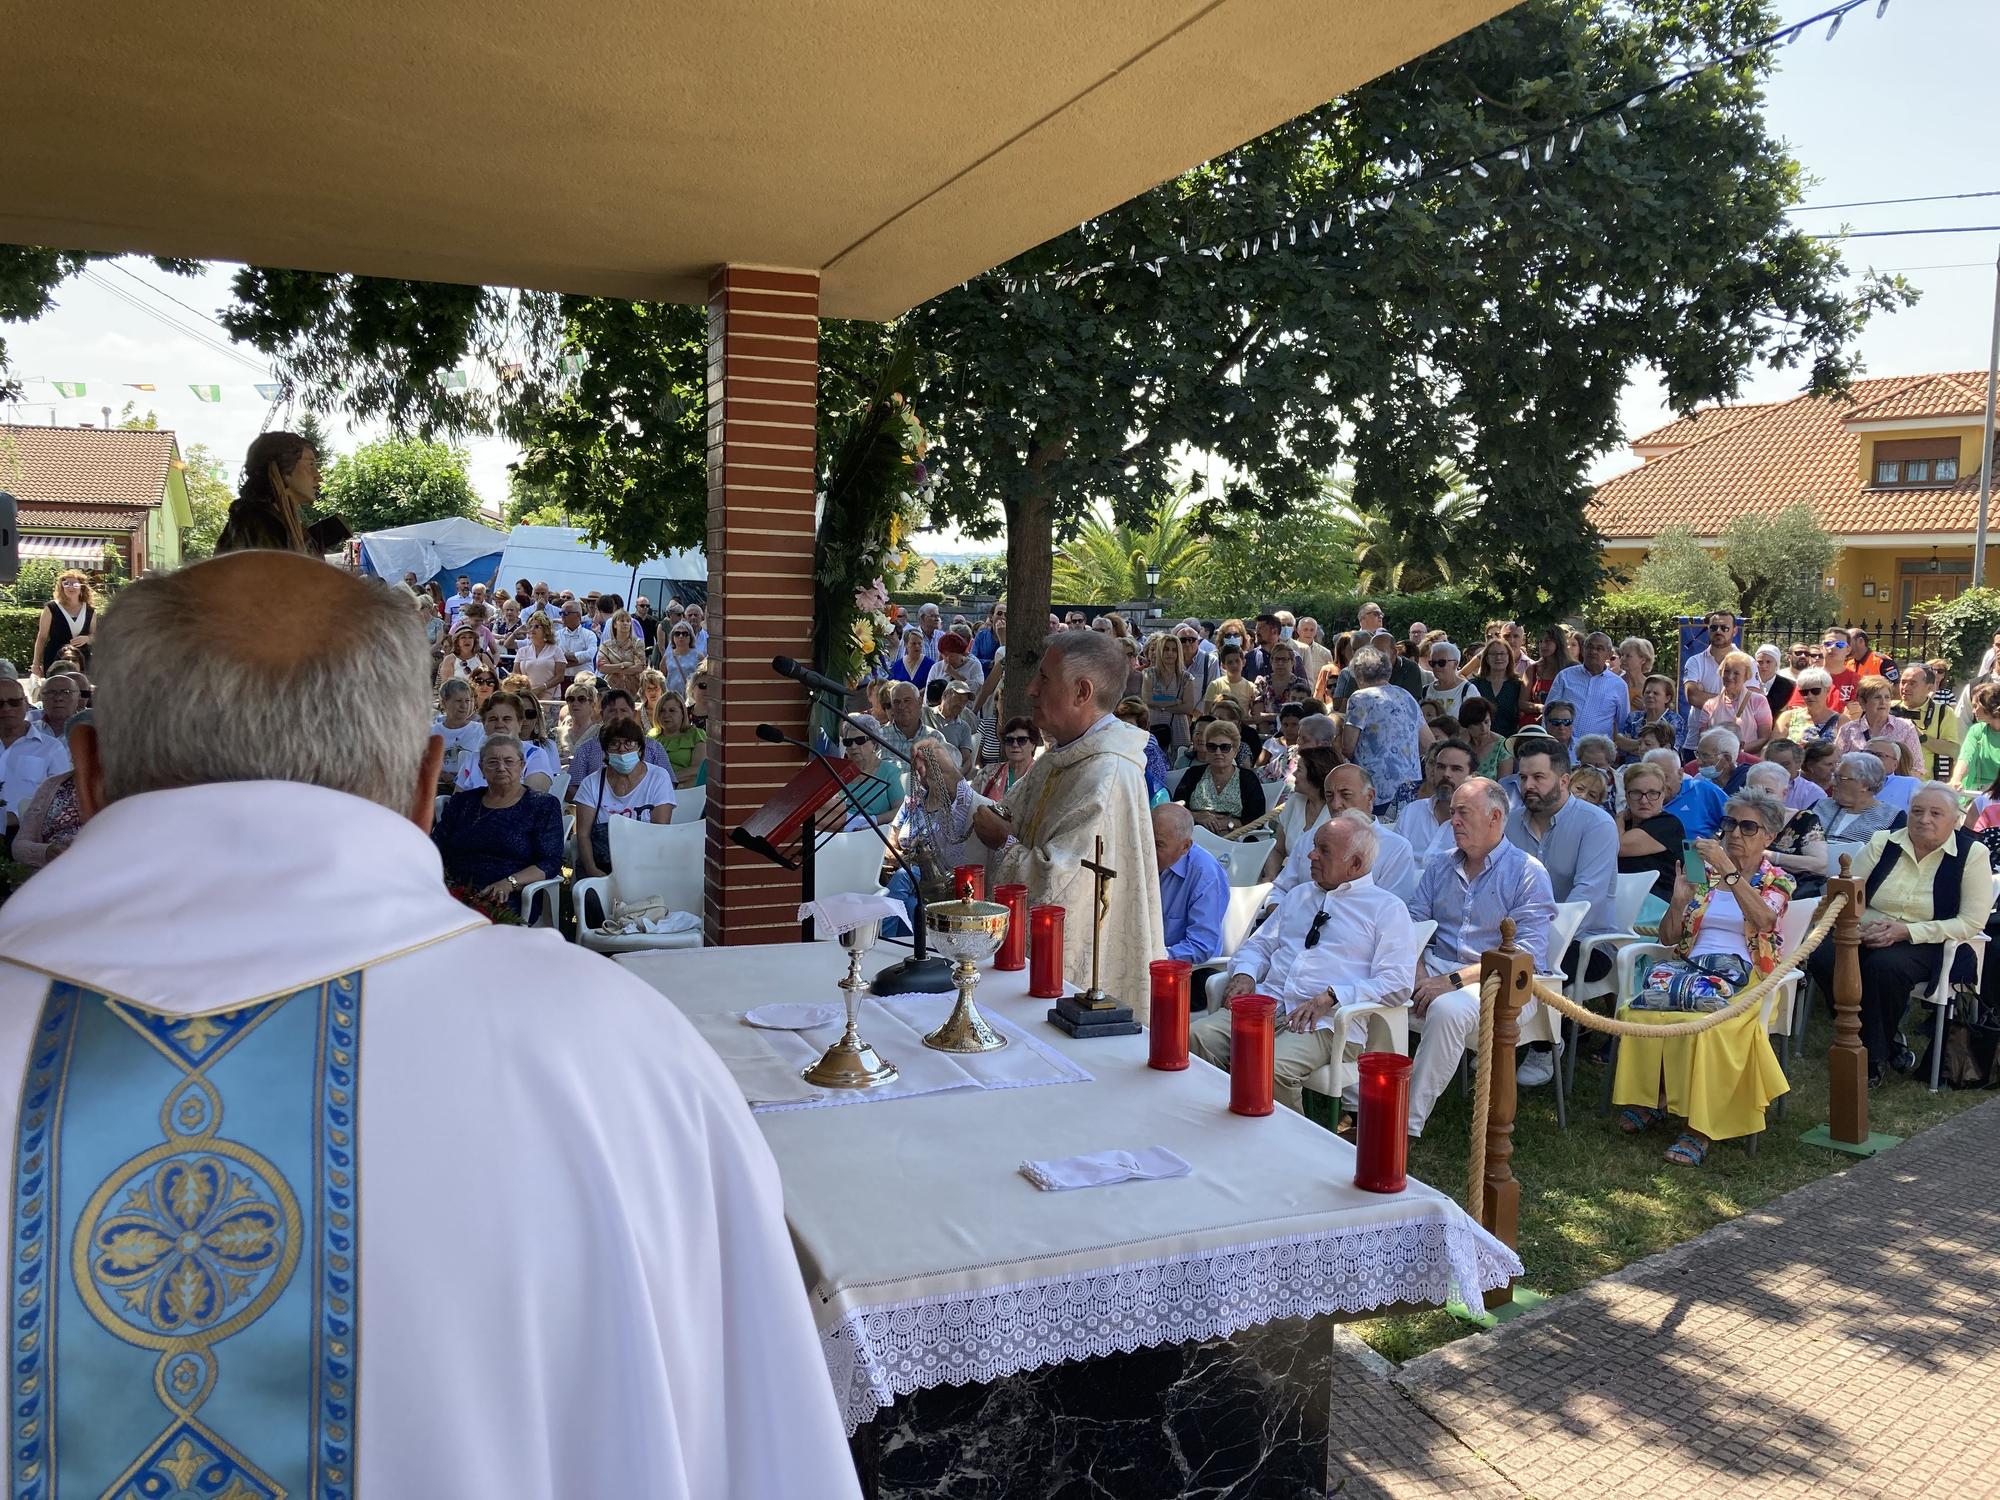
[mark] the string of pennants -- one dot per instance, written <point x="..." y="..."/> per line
<point x="1541" y="147"/>
<point x="270" y="390"/>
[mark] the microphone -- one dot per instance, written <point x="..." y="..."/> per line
<point x="771" y="734"/>
<point x="819" y="682"/>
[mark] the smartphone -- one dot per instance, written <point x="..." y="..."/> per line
<point x="1691" y="861"/>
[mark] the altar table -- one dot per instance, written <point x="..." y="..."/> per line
<point x="955" y="1300"/>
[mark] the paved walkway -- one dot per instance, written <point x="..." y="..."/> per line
<point x="1843" y="1341"/>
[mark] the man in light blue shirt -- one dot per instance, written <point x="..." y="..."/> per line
<point x="1467" y="891"/>
<point x="1597" y="693"/>
<point x="1194" y="888"/>
<point x="1695" y="800"/>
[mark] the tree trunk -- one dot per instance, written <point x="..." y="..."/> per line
<point x="1030" y="556"/>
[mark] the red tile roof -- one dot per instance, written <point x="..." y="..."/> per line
<point x="1705" y="423"/>
<point x="68" y="466"/>
<point x="90" y="518"/>
<point x="1778" y="455"/>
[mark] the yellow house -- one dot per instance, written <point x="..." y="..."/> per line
<point x="1891" y="469"/>
<point x="82" y="489"/>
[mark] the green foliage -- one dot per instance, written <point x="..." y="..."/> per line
<point x="1644" y="612"/>
<point x="1253" y="561"/>
<point x="1678" y="566"/>
<point x="531" y="504"/>
<point x="209" y="498"/>
<point x="33" y="586"/>
<point x="1409" y="543"/>
<point x="398" y="482"/>
<point x="983" y="575"/>
<point x="1780" y="564"/>
<point x="17" y="630"/>
<point x="1965" y="627"/>
<point x="1106" y="561"/>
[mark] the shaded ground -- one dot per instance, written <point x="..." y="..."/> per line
<point x="1842" y="1341"/>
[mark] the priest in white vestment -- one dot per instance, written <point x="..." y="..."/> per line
<point x="1091" y="784"/>
<point x="322" y="1184"/>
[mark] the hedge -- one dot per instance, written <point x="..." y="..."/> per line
<point x="1966" y="627"/>
<point x="1642" y="612"/>
<point x="17" y="634"/>
<point x="1442" y="609"/>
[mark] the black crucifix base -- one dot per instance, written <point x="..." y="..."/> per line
<point x="1093" y="1014"/>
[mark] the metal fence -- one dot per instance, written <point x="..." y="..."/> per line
<point x="1898" y="640"/>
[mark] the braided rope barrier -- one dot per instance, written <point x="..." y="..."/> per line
<point x="1489" y="998"/>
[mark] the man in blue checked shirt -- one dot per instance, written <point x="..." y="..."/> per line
<point x="1597" y="694"/>
<point x="1467" y="890"/>
<point x="1194" y="888"/>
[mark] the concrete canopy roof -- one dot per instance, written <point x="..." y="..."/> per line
<point x="628" y="148"/>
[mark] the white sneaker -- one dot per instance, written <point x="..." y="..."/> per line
<point x="1536" y="1067"/>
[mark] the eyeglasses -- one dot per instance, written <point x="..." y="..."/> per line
<point x="1635" y="793"/>
<point x="1320" y="919"/>
<point x="1559" y="723"/>
<point x="1223" y="745"/>
<point x="847" y="744"/>
<point x="1833" y="645"/>
<point x="1017" y="739"/>
<point x="1810" y="692"/>
<point x="1748" y="827"/>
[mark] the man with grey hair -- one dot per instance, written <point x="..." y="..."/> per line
<point x="1598" y="695"/>
<point x="1194" y="888"/>
<point x="1090" y="785"/>
<point x="1468" y="890"/>
<point x="1717" y="759"/>
<point x="296" y="1077"/>
<point x="1695" y="800"/>
<point x="1337" y="939"/>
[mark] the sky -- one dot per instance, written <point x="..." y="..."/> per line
<point x="1897" y="107"/>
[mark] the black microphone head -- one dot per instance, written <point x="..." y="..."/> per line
<point x="784" y="665"/>
<point x="771" y="733"/>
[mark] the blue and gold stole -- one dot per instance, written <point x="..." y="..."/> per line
<point x="185" y="1257"/>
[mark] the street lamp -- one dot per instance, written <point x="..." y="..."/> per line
<point x="1152" y="588"/>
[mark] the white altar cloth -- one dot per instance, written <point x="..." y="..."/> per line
<point x="931" y="1261"/>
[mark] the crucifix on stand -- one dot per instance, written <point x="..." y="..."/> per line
<point x="1094" y="1013"/>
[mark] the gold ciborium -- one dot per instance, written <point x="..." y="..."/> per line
<point x="851" y="1063"/>
<point x="965" y="932"/>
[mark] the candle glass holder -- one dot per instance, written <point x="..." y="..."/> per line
<point x="1013" y="952"/>
<point x="1253" y="1040"/>
<point x="1045" y="952"/>
<point x="1382" y="1131"/>
<point x="851" y="1063"/>
<point x="968" y="882"/>
<point x="1167" y="1024"/>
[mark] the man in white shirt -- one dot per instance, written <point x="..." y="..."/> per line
<point x="1426" y="823"/>
<point x="1702" y="676"/>
<point x="576" y="641"/>
<point x="1351" y="789"/>
<point x="697" y="617"/>
<point x="1598" y="694"/>
<point x="455" y="602"/>
<point x="542" y="604"/>
<point x="1338" y="940"/>
<point x="29" y="755"/>
<point x="265" y="996"/>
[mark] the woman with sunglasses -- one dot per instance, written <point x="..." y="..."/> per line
<point x="680" y="663"/>
<point x="1019" y="741"/>
<point x="1220" y="794"/>
<point x="1723" y="929"/>
<point x="879" y="790"/>
<point x="485" y="683"/>
<point x="579" y="717"/>
<point x="697" y="700"/>
<point x="465" y="658"/>
<point x="1812" y="715"/>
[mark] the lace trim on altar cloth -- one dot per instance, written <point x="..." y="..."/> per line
<point x="876" y="1354"/>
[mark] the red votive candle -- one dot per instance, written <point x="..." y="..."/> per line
<point x="1253" y="1038"/>
<point x="1167" y="1026"/>
<point x="969" y="882"/>
<point x="1382" y="1134"/>
<point x="1045" y="952"/>
<point x="1014" y="946"/>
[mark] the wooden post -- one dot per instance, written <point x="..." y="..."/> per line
<point x="1500" y="1204"/>
<point x="1847" y="1059"/>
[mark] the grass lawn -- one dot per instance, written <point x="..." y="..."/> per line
<point x="1593" y="1200"/>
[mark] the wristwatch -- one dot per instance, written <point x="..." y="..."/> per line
<point x="1731" y="878"/>
<point x="513" y="882"/>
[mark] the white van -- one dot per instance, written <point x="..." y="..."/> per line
<point x="560" y="557"/>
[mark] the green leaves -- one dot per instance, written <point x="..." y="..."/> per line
<point x="398" y="482"/>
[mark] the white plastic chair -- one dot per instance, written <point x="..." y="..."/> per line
<point x="1243" y="859"/>
<point x="1627" y="900"/>
<point x="1937" y="995"/>
<point x="691" y="806"/>
<point x="1245" y="901"/>
<point x="842" y="862"/>
<point x="649" y="861"/>
<point x="559" y="788"/>
<point x="437" y="809"/>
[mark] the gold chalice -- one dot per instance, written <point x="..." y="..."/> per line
<point x="965" y="932"/>
<point x="851" y="1063"/>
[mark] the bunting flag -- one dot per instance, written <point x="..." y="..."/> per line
<point x="510" y="372"/>
<point x="207" y="392"/>
<point x="455" y="380"/>
<point x="140" y="385"/>
<point x="71" y="388"/>
<point x="269" y="389"/>
<point x="572" y="364"/>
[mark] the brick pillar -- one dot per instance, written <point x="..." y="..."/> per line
<point x="763" y="382"/>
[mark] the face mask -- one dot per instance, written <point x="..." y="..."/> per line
<point x="1232" y="640"/>
<point x="1710" y="773"/>
<point x="624" y="762"/>
<point x="1285" y="632"/>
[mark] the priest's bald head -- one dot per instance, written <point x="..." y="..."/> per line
<point x="1081" y="679"/>
<point x="227" y="671"/>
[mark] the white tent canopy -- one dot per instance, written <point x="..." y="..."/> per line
<point x="433" y="547"/>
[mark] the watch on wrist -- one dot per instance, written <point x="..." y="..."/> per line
<point x="1732" y="878"/>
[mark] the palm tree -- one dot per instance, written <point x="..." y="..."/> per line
<point x="1405" y="547"/>
<point x="1106" y="562"/>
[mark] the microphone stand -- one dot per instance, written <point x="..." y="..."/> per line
<point x="919" y="973"/>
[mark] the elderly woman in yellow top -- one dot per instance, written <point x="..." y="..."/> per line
<point x="1724" y="933"/>
<point x="1927" y="883"/>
